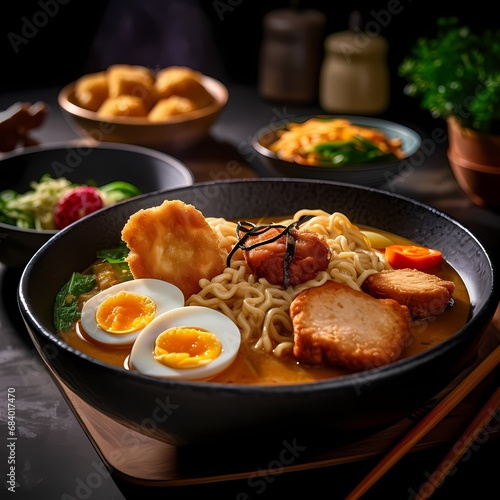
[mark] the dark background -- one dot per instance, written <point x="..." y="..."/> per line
<point x="66" y="38"/>
<point x="222" y="39"/>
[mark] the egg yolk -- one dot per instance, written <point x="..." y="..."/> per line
<point x="185" y="347"/>
<point x="125" y="312"/>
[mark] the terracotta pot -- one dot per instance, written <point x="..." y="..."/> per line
<point x="475" y="146"/>
<point x="475" y="162"/>
<point x="480" y="182"/>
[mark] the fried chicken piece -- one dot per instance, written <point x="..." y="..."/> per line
<point x="336" y="325"/>
<point x="311" y="255"/>
<point x="424" y="294"/>
<point x="174" y="243"/>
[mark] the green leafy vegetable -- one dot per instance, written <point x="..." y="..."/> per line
<point x="114" y="255"/>
<point x="352" y="151"/>
<point x="7" y="214"/>
<point x="457" y="73"/>
<point x="66" y="304"/>
<point x="35" y="208"/>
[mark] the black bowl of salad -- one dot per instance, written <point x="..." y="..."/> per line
<point x="46" y="188"/>
<point x="353" y="149"/>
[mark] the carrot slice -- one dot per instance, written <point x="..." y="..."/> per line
<point x="412" y="256"/>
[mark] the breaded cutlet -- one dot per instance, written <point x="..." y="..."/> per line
<point x="336" y="325"/>
<point x="424" y="294"/>
<point x="173" y="242"/>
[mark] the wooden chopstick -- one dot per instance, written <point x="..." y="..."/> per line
<point x="427" y="423"/>
<point x="468" y="437"/>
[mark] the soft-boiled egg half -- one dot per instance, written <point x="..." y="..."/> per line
<point x="188" y="343"/>
<point x="118" y="314"/>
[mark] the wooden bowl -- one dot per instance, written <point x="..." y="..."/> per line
<point x="174" y="135"/>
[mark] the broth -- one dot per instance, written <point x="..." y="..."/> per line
<point x="257" y="367"/>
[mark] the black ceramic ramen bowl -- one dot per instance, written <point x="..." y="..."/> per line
<point x="147" y="169"/>
<point x="183" y="413"/>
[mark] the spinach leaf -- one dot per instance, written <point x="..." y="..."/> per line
<point x="114" y="255"/>
<point x="66" y="304"/>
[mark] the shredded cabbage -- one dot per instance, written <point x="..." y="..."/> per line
<point x="35" y="208"/>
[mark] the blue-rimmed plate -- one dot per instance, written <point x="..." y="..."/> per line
<point x="367" y="174"/>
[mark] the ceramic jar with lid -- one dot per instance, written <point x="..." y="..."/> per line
<point x="354" y="77"/>
<point x="290" y="55"/>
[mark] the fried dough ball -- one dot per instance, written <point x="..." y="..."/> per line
<point x="184" y="82"/>
<point x="171" y="106"/>
<point x="172" y="91"/>
<point x="336" y="325"/>
<point x="130" y="80"/>
<point x="123" y="105"/>
<point x="92" y="90"/>
<point x="173" y="242"/>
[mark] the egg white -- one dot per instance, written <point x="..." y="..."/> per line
<point x="165" y="295"/>
<point x="142" y="357"/>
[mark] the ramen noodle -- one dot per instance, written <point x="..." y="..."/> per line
<point x="259" y="308"/>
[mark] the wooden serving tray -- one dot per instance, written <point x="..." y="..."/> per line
<point x="136" y="458"/>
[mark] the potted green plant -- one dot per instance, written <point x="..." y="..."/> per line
<point x="456" y="76"/>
